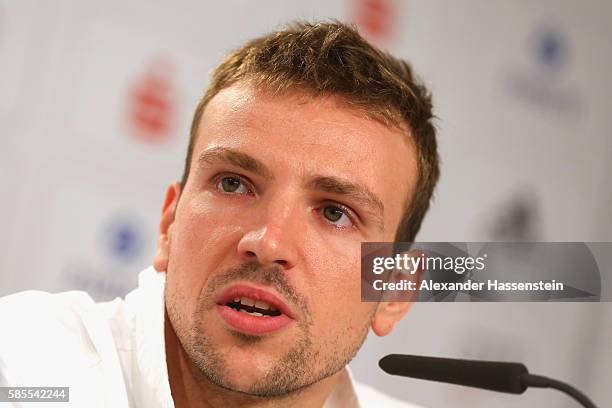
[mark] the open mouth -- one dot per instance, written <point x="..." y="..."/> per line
<point x="253" y="307"/>
<point x="252" y="310"/>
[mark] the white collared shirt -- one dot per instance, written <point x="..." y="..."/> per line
<point x="110" y="354"/>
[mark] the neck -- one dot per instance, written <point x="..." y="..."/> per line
<point x="190" y="389"/>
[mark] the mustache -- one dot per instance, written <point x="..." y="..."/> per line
<point x="253" y="271"/>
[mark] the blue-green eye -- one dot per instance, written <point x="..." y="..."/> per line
<point x="336" y="215"/>
<point x="230" y="184"/>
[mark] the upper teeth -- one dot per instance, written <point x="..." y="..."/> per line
<point x="255" y="303"/>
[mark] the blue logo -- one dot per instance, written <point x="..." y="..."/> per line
<point x="123" y="238"/>
<point x="539" y="84"/>
<point x="551" y="49"/>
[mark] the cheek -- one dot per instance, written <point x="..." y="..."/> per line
<point x="201" y="229"/>
<point x="201" y="237"/>
<point x="335" y="262"/>
<point x="337" y="295"/>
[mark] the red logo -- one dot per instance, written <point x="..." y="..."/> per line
<point x="151" y="107"/>
<point x="375" y="18"/>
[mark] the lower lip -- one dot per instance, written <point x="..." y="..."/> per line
<point x="248" y="324"/>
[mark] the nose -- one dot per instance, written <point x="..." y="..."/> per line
<point x="273" y="240"/>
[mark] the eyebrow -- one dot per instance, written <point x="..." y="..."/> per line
<point x="235" y="157"/>
<point x="355" y="192"/>
<point x="329" y="184"/>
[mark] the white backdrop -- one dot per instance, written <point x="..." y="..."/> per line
<point x="96" y="102"/>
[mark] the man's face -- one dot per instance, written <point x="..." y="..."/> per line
<point x="263" y="252"/>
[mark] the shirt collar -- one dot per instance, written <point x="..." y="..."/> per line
<point x="150" y="376"/>
<point x="152" y="386"/>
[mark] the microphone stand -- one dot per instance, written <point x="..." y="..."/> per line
<point x="538" y="381"/>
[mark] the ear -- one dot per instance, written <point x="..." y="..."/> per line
<point x="388" y="313"/>
<point x="160" y="262"/>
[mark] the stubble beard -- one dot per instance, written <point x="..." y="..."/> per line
<point x="293" y="371"/>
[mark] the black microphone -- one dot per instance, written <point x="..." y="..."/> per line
<point x="513" y="378"/>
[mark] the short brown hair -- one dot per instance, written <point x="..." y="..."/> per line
<point x="333" y="59"/>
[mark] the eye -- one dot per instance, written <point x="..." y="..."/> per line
<point x="232" y="184"/>
<point x="336" y="215"/>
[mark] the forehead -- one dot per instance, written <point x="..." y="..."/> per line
<point x="297" y="134"/>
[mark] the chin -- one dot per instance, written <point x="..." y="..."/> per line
<point x="248" y="363"/>
<point x="244" y="375"/>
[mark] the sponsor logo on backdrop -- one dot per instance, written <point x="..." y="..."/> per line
<point x="119" y="251"/>
<point x="375" y="18"/>
<point x="543" y="81"/>
<point x="151" y="111"/>
<point x="517" y="218"/>
<point x="122" y="239"/>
